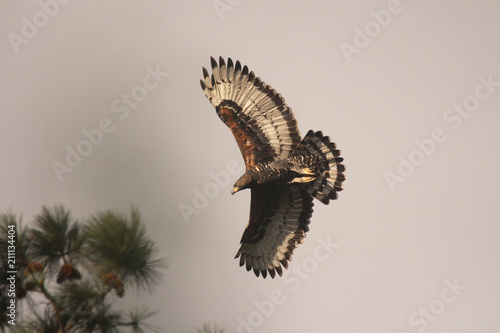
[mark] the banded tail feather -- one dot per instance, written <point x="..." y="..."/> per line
<point x="327" y="164"/>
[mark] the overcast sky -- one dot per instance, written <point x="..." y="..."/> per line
<point x="101" y="108"/>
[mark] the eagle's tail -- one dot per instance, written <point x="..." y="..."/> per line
<point x="327" y="166"/>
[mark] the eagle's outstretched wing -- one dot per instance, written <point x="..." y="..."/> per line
<point x="279" y="219"/>
<point x="262" y="124"/>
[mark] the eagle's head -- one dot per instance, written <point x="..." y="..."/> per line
<point x="244" y="182"/>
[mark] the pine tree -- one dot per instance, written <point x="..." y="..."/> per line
<point x="70" y="275"/>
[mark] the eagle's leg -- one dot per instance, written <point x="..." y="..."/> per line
<point x="305" y="175"/>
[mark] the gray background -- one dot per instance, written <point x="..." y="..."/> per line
<point x="397" y="246"/>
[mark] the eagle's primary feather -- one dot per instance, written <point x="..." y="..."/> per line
<point x="283" y="172"/>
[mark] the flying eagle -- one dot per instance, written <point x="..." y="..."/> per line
<point x="283" y="171"/>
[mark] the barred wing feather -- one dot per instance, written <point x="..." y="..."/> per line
<point x="279" y="219"/>
<point x="263" y="125"/>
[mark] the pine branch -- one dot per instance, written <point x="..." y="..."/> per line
<point x="57" y="311"/>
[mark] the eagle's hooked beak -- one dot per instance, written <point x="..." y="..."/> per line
<point x="242" y="183"/>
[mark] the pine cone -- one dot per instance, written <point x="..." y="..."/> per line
<point x="75" y="275"/>
<point x="109" y="279"/>
<point x="118" y="285"/>
<point x="68" y="272"/>
<point x="20" y="293"/>
<point x="33" y="266"/>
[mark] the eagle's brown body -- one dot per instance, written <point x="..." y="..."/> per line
<point x="295" y="169"/>
<point x="283" y="171"/>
